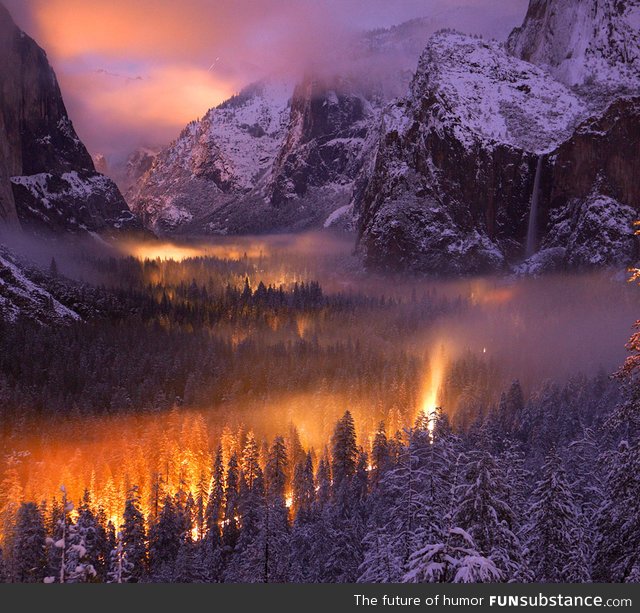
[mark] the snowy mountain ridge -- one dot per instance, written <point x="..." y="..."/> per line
<point x="440" y="178"/>
<point x="20" y="296"/>
<point x="480" y="91"/>
<point x="226" y="153"/>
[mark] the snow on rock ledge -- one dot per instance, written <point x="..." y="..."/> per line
<point x="450" y="183"/>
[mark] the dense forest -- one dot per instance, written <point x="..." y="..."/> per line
<point x="545" y="490"/>
<point x="209" y="421"/>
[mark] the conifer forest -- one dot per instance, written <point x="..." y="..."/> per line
<point x="272" y="416"/>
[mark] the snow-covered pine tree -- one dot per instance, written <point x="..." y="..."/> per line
<point x="28" y="559"/>
<point x="455" y="559"/>
<point x="617" y="550"/>
<point x="276" y="517"/>
<point x="483" y="512"/>
<point x="304" y="489"/>
<point x="94" y="537"/>
<point x="246" y="564"/>
<point x="165" y="537"/>
<point x="59" y="541"/>
<point x="395" y="530"/>
<point x="79" y="568"/>
<point x="555" y="546"/>
<point x="380" y="456"/>
<point x="120" y="569"/>
<point x="344" y="451"/>
<point x="230" y="528"/>
<point x="134" y="537"/>
<point x="211" y="550"/>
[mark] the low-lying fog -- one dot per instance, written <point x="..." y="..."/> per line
<point x="529" y="328"/>
<point x="290" y="362"/>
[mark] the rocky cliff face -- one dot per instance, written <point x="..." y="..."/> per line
<point x="328" y="123"/>
<point x="450" y="188"/>
<point x="48" y="182"/>
<point x="589" y="196"/>
<point x="582" y="43"/>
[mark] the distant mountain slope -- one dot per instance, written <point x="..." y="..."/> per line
<point x="280" y="155"/>
<point x="219" y="158"/>
<point x="22" y="296"/>
<point x="48" y="181"/>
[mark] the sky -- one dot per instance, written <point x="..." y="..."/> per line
<point x="135" y="72"/>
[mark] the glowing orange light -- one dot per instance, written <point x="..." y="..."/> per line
<point x="429" y="407"/>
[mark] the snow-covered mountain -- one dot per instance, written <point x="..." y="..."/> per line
<point x="595" y="42"/>
<point x="486" y="154"/>
<point x="492" y="159"/>
<point x="219" y="158"/>
<point x="454" y="166"/>
<point x="48" y="181"/>
<point x="281" y="154"/>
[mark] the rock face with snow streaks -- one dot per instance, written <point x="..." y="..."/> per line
<point x="449" y="186"/>
<point x="455" y="166"/>
<point x="594" y="42"/>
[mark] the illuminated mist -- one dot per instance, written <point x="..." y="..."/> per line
<point x="499" y="328"/>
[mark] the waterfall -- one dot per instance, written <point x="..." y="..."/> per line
<point x="532" y="230"/>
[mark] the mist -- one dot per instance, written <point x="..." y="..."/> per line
<point x="215" y="342"/>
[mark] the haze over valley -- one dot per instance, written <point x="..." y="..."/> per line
<point x="291" y="313"/>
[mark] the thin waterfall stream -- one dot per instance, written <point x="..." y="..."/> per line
<point x="532" y="230"/>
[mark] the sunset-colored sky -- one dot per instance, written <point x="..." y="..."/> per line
<point x="134" y="72"/>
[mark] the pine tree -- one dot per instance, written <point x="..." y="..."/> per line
<point x="215" y="502"/>
<point x="484" y="513"/>
<point x="511" y="408"/>
<point x="230" y="529"/>
<point x="304" y="492"/>
<point x="211" y="551"/>
<point x="93" y="536"/>
<point x="29" y="560"/>
<point x="344" y="451"/>
<point x="120" y="569"/>
<point x="276" y="516"/>
<point x="165" y="538"/>
<point x="133" y="537"/>
<point x="60" y="541"/>
<point x="188" y="565"/>
<point x="401" y="515"/>
<point x="454" y="560"/>
<point x="554" y="541"/>
<point x="380" y="456"/>
<point x="250" y="460"/>
<point x="617" y="551"/>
